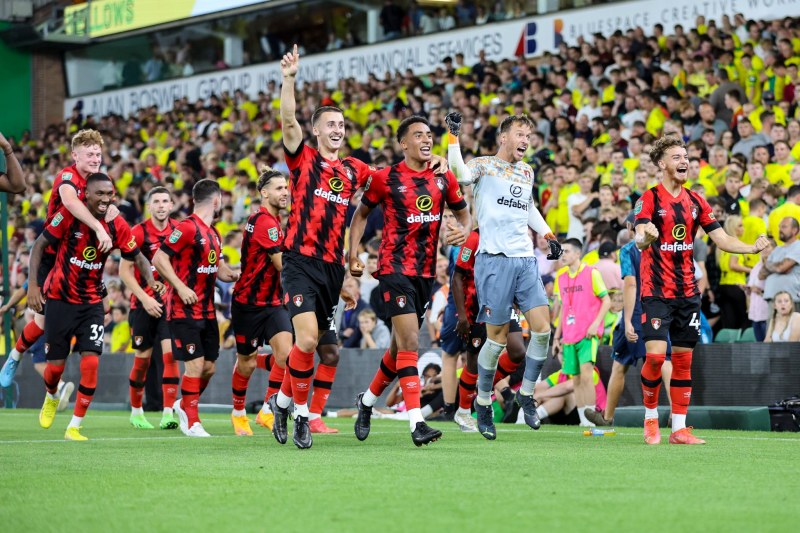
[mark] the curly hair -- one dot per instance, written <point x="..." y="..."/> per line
<point x="663" y="144"/>
<point x="87" y="138"/>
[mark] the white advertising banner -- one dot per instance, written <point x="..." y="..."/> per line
<point x="529" y="37"/>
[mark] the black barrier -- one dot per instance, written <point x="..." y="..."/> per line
<point x="722" y="374"/>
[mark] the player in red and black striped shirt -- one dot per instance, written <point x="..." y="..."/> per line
<point x="667" y="219"/>
<point x="74" y="291"/>
<point x="413" y="199"/>
<point x="147" y="318"/>
<point x="69" y="189"/>
<point x="257" y="311"/>
<point x="465" y="297"/>
<point x="190" y="261"/>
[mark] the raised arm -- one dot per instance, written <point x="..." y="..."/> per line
<point x="292" y="133"/>
<point x="454" y="159"/>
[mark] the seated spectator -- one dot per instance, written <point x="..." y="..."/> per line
<point x="349" y="329"/>
<point x="785" y="323"/>
<point x="556" y="398"/>
<point x="374" y="333"/>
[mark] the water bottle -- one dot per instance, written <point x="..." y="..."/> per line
<point x="599" y="432"/>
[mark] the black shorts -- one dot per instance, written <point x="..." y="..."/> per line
<point x="193" y="338"/>
<point x="63" y="320"/>
<point x="477" y="334"/>
<point x="254" y="325"/>
<point x="405" y="294"/>
<point x="147" y="330"/>
<point x="675" y="318"/>
<point x="311" y="285"/>
<point x="329" y="337"/>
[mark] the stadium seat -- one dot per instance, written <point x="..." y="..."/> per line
<point x="728" y="335"/>
<point x="748" y="335"/>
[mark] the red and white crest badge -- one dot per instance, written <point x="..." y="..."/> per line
<point x="401" y="301"/>
<point x="298" y="300"/>
<point x="476" y="342"/>
<point x="190" y="348"/>
<point x="655" y="322"/>
<point x="137" y="340"/>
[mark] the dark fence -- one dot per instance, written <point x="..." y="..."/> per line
<point x="722" y="374"/>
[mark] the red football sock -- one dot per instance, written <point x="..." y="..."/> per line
<point x="505" y="367"/>
<point x="52" y="375"/>
<point x="239" y="388"/>
<point x="651" y="379"/>
<point x="323" y="381"/>
<point x="136" y="380"/>
<point x="409" y="378"/>
<point x="286" y="384"/>
<point x="190" y="397"/>
<point x="30" y="334"/>
<point x="88" y="384"/>
<point x="680" y="388"/>
<point x="170" y="380"/>
<point x="275" y="382"/>
<point x="467" y="389"/>
<point x="301" y="369"/>
<point x="263" y="361"/>
<point x="385" y="374"/>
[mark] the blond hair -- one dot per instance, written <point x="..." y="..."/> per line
<point x="87" y="138"/>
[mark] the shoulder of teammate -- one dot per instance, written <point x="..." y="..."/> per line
<point x="625" y="260"/>
<point x="266" y="232"/>
<point x="375" y="188"/>
<point x="181" y="237"/>
<point x="59" y="224"/>
<point x="67" y="176"/>
<point x="293" y="159"/>
<point x="643" y="210"/>
<point x="124" y="238"/>
<point x="454" y="197"/>
<point x="138" y="232"/>
<point x="706" y="218"/>
<point x="466" y="255"/>
<point x="363" y="171"/>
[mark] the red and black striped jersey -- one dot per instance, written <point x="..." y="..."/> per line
<point x="465" y="265"/>
<point x="667" y="268"/>
<point x="77" y="276"/>
<point x="321" y="190"/>
<point x="194" y="249"/>
<point x="413" y="202"/>
<point x="68" y="176"/>
<point x="260" y="283"/>
<point x="149" y="238"/>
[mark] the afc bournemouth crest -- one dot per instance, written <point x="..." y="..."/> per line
<point x="476" y="342"/>
<point x="298" y="300"/>
<point x="401" y="301"/>
<point x="190" y="348"/>
<point x="487" y="311"/>
<point x="440" y="183"/>
<point x="46" y="347"/>
<point x="137" y="340"/>
<point x="656" y="322"/>
<point x="694" y="212"/>
<point x="273" y="234"/>
<point x="254" y="343"/>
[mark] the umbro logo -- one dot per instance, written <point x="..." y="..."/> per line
<point x="78" y="235"/>
<point x="402" y="188"/>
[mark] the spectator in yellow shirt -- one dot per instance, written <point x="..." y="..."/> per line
<point x="121" y="333"/>
<point x="791" y="208"/>
<point x="226" y="223"/>
<point x="779" y="171"/>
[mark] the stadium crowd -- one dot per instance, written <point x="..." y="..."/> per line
<point x="729" y="88"/>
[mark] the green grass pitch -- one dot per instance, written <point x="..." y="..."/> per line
<point x="551" y="480"/>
